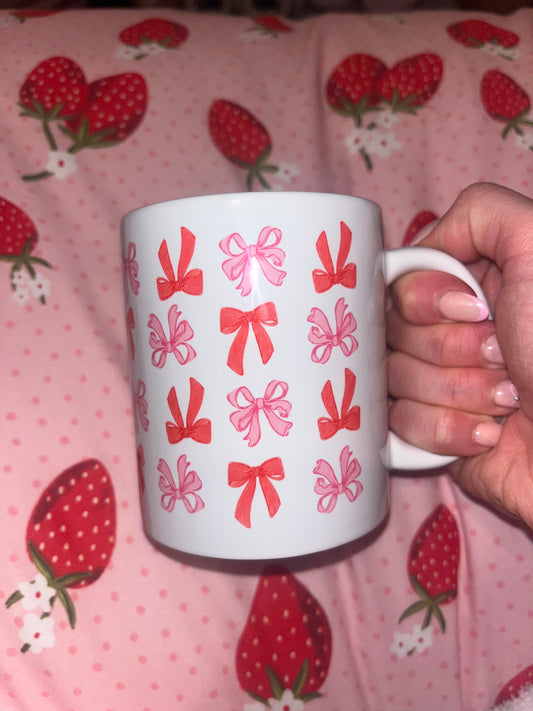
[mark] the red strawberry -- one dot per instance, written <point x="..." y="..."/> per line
<point x="476" y="33"/>
<point x="286" y="642"/>
<point x="517" y="686"/>
<point x="115" y="107"/>
<point x="432" y="565"/>
<point x="351" y="87"/>
<point x="271" y="25"/>
<point x="54" y="90"/>
<point x="504" y="100"/>
<point x="420" y="220"/>
<point x="155" y="30"/>
<point x="71" y="531"/>
<point x="242" y="139"/>
<point x="411" y="82"/>
<point x="18" y="237"/>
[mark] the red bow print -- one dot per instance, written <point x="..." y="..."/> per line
<point x="345" y="274"/>
<point x="232" y="320"/>
<point x="349" y="419"/>
<point x="243" y="475"/>
<point x="189" y="282"/>
<point x="198" y="430"/>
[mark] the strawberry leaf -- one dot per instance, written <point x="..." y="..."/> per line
<point x="301" y="678"/>
<point x="13" y="598"/>
<point x="67" y="603"/>
<point x="310" y="696"/>
<point x="39" y="562"/>
<point x="276" y="685"/>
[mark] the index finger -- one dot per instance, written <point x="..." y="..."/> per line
<point x="486" y="220"/>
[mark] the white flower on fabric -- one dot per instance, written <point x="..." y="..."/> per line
<point x="37" y="593"/>
<point x="252" y="36"/>
<point x="152" y="48"/>
<point x="40" y="286"/>
<point x="359" y="139"/>
<point x="522" y="702"/>
<point x="288" y="702"/>
<point x="287" y="171"/>
<point x="37" y="632"/>
<point x="524" y="141"/>
<point x="417" y="640"/>
<point x="7" y="20"/>
<point x="421" y="638"/>
<point x="497" y="50"/>
<point x="385" y="119"/>
<point x="61" y="164"/>
<point x="19" y="279"/>
<point x="402" y="645"/>
<point x="21" y="295"/>
<point x="382" y="144"/>
<point x="126" y="51"/>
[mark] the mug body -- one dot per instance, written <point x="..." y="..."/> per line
<point x="257" y="349"/>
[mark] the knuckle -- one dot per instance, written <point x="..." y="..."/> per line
<point x="445" y="430"/>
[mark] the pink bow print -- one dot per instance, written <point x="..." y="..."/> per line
<point x="179" y="333"/>
<point x="131" y="268"/>
<point x="274" y="407"/>
<point x="141" y="405"/>
<point x="329" y="488"/>
<point x="325" y="339"/>
<point x="130" y="322"/>
<point x="188" y="484"/>
<point x="266" y="252"/>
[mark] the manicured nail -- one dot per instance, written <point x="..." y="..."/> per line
<point x="491" y="351"/>
<point x="506" y="395"/>
<point x="458" y="306"/>
<point x="487" y="434"/>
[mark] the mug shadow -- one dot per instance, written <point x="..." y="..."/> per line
<point x="295" y="564"/>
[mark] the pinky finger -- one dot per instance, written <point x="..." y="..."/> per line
<point x="443" y="430"/>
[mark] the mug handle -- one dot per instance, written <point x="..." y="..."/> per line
<point x="401" y="454"/>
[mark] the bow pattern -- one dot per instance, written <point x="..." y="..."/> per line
<point x="190" y="282"/>
<point x="141" y="405"/>
<point x="349" y="418"/>
<point x="179" y="333"/>
<point x="188" y="484"/>
<point x="240" y="474"/>
<point x="198" y="430"/>
<point x="265" y="252"/>
<point x="272" y="404"/>
<point x="131" y="268"/>
<point x="329" y="488"/>
<point x="344" y="274"/>
<point x="325" y="338"/>
<point x="130" y="322"/>
<point x="232" y="320"/>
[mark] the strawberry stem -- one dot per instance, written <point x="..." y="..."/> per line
<point x="428" y="603"/>
<point x="366" y="158"/>
<point x="58" y="584"/>
<point x="85" y="139"/>
<point x="37" y="176"/>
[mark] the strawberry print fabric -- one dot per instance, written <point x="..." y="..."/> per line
<point x="106" y="110"/>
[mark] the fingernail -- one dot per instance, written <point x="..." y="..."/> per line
<point x="491" y="351"/>
<point x="458" y="306"/>
<point x="487" y="434"/>
<point x="506" y="395"/>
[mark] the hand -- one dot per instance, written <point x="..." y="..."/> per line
<point x="454" y="375"/>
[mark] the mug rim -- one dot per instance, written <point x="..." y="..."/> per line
<point x="248" y="197"/>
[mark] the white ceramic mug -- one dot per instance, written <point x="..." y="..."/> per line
<point x="258" y="360"/>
